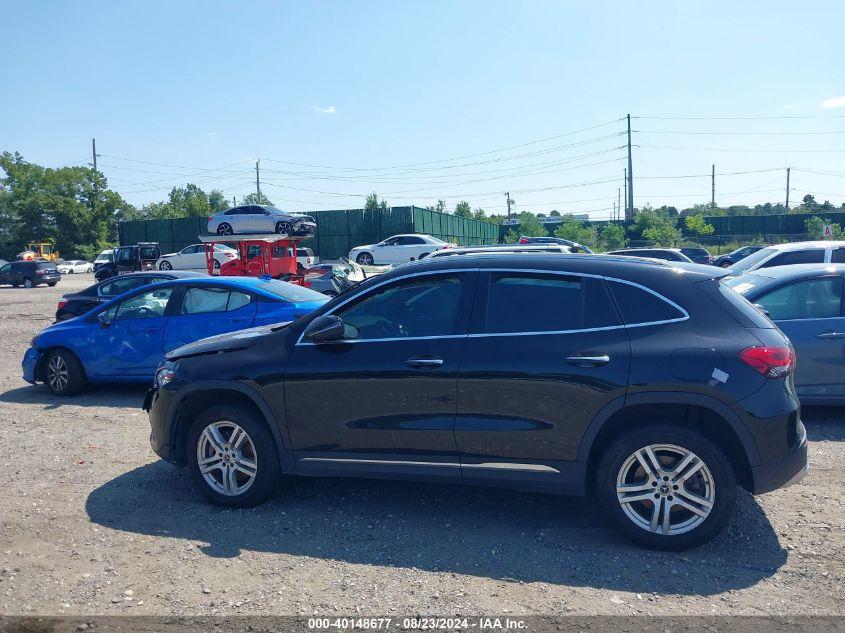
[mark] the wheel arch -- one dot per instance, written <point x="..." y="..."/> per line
<point x="698" y="412"/>
<point x="201" y="395"/>
<point x="45" y="353"/>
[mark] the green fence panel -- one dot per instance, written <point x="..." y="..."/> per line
<point x="334" y="222"/>
<point x="334" y="246"/>
<point x="133" y="232"/>
<point x="187" y="229"/>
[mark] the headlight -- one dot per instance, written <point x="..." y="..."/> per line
<point x="164" y="374"/>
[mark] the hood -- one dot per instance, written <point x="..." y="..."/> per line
<point x="168" y="255"/>
<point x="358" y="248"/>
<point x="228" y="342"/>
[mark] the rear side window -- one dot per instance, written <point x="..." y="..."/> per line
<point x="639" y="305"/>
<point x="122" y="284"/>
<point x="805" y="299"/>
<point x="45" y="266"/>
<point x="204" y="300"/>
<point x="838" y="256"/>
<point x="809" y="256"/>
<point x="525" y="302"/>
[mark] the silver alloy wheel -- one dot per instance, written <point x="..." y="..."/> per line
<point x="57" y="373"/>
<point x="365" y="259"/>
<point x="27" y="283"/>
<point x="224" y="229"/>
<point x="665" y="489"/>
<point x="226" y="458"/>
<point x="165" y="266"/>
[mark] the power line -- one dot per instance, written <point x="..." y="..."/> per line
<point x="737" y="133"/>
<point x="742" y="118"/>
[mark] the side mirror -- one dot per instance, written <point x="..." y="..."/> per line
<point x="761" y="309"/>
<point x="324" y="329"/>
<point x="103" y="318"/>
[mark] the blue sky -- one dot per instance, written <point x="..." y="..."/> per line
<point x="387" y="96"/>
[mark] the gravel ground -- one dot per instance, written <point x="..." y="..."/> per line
<point x="93" y="523"/>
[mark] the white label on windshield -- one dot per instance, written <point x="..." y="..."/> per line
<point x="742" y="288"/>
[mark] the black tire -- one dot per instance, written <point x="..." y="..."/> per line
<point x="215" y="265"/>
<point x="266" y="457"/>
<point x="424" y="255"/>
<point x="365" y="259"/>
<point x="62" y="362"/>
<point x="224" y="229"/>
<point x="14" y="285"/>
<point x="725" y="265"/>
<point x="165" y="265"/>
<point x="52" y="283"/>
<point x="28" y="283"/>
<point x="717" y="466"/>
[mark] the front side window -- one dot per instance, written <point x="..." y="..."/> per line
<point x="528" y="302"/>
<point x="147" y="305"/>
<point x="806" y="299"/>
<point x="6" y="268"/>
<point x="204" y="300"/>
<point x="809" y="256"/>
<point x="639" y="306"/>
<point x="411" y="308"/>
<point x="190" y="250"/>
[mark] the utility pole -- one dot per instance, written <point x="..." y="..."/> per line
<point x="509" y="201"/>
<point x="629" y="212"/>
<point x="257" y="185"/>
<point x="96" y="193"/>
<point x="234" y="201"/>
<point x="713" y="188"/>
<point x="618" y="201"/>
<point x="94" y="152"/>
<point x="787" y="188"/>
<point x="625" y="190"/>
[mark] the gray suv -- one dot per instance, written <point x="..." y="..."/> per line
<point x="254" y="218"/>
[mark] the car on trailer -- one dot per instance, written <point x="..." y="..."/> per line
<point x="259" y="255"/>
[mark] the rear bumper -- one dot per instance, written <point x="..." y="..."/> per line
<point x="48" y="279"/>
<point x="791" y="469"/>
<point x="29" y="364"/>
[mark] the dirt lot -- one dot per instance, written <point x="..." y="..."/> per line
<point x="93" y="523"/>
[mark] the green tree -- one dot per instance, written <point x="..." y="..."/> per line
<point x="612" y="237"/>
<point x="655" y="222"/>
<point x="575" y="231"/>
<point x="530" y="225"/>
<point x="554" y="213"/>
<point x="815" y="228"/>
<point x="661" y="234"/>
<point x="374" y="204"/>
<point x="255" y="198"/>
<point x="463" y="210"/>
<point x="511" y="237"/>
<point x="479" y="214"/>
<point x="217" y="202"/>
<point x="697" y="225"/>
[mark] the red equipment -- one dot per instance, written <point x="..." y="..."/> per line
<point x="258" y="255"/>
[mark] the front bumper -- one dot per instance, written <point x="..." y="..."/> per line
<point x="157" y="404"/>
<point x="29" y="364"/>
<point x="784" y="472"/>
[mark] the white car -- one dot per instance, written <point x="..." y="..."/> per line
<point x="193" y="258"/>
<point x="818" y="252"/>
<point x="397" y="249"/>
<point x="68" y="267"/>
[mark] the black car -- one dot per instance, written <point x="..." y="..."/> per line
<point x="652" y="384"/>
<point x="137" y="257"/>
<point x="698" y="254"/>
<point x="29" y="274"/>
<point x="666" y="254"/>
<point x="78" y="303"/>
<point x="729" y="259"/>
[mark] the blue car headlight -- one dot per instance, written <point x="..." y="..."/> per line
<point x="164" y="374"/>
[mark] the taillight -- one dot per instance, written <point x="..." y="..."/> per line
<point x="771" y="362"/>
<point x="62" y="303"/>
<point x="523" y="240"/>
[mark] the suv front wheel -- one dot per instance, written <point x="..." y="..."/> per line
<point x="666" y="487"/>
<point x="232" y="456"/>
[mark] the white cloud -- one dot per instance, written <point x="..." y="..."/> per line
<point x="325" y="110"/>
<point x="834" y="102"/>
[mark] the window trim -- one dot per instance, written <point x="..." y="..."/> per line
<point x="685" y="314"/>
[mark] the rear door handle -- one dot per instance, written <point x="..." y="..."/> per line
<point x="829" y="336"/>
<point x="424" y="363"/>
<point x="588" y="360"/>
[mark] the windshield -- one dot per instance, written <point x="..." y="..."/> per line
<point x="751" y="261"/>
<point x="292" y="292"/>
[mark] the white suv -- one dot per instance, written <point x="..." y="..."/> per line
<point x="820" y="252"/>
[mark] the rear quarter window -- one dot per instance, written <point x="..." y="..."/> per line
<point x="639" y="305"/>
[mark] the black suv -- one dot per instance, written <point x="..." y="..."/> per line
<point x="650" y="383"/>
<point x="29" y="274"/>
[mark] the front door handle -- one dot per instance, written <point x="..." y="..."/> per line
<point x="424" y="363"/>
<point x="152" y="330"/>
<point x="829" y="336"/>
<point x="588" y="360"/>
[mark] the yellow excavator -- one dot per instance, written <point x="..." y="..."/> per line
<point x="39" y="250"/>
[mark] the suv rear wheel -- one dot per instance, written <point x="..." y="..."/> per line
<point x="666" y="487"/>
<point x="27" y="282"/>
<point x="232" y="456"/>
